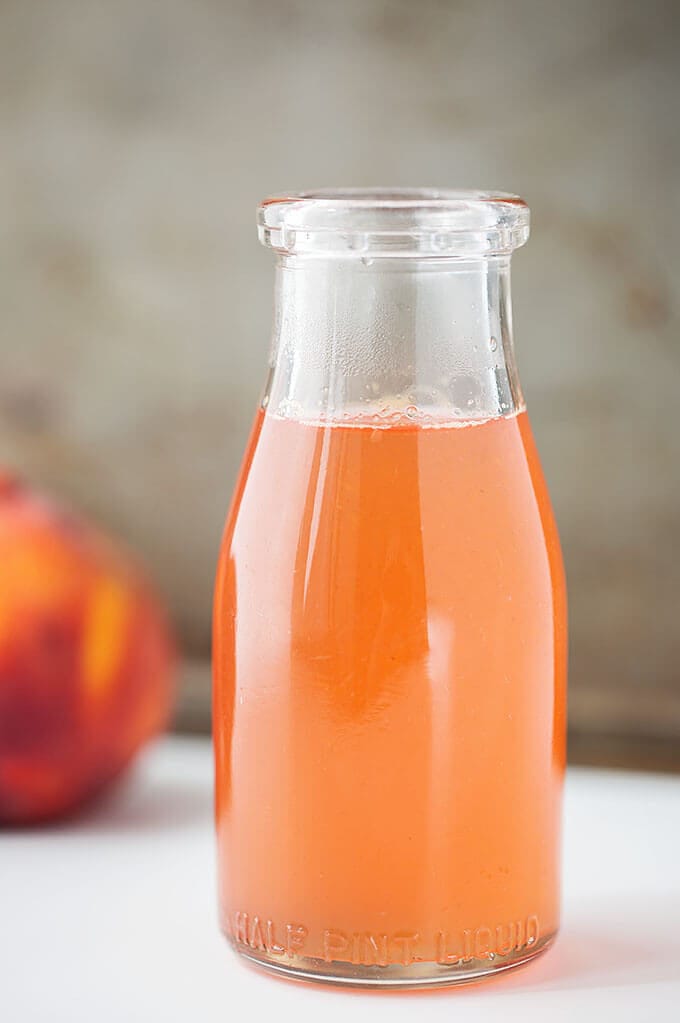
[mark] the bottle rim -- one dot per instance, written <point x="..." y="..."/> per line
<point x="413" y="222"/>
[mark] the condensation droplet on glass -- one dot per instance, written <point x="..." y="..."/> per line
<point x="288" y="237"/>
<point x="493" y="344"/>
<point x="367" y="261"/>
<point x="356" y="242"/>
<point x="265" y="401"/>
<point x="411" y="411"/>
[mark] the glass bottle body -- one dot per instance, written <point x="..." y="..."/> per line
<point x="389" y="640"/>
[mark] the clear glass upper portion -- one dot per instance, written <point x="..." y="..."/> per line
<point x="408" y="222"/>
<point x="393" y="304"/>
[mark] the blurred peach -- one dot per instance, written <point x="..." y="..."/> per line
<point x="86" y="659"/>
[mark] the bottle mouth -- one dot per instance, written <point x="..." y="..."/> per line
<point x="383" y="222"/>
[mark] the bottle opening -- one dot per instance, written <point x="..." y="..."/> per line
<point x="382" y="222"/>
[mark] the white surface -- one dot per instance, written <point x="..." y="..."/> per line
<point x="113" y="918"/>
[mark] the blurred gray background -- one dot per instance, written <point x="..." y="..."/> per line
<point x="136" y="139"/>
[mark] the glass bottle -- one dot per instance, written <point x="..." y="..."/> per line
<point x="390" y="614"/>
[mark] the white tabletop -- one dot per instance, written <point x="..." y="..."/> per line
<point x="112" y="919"/>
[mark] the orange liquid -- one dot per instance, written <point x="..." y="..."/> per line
<point x="389" y="694"/>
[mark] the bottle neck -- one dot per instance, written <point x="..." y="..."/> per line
<point x="361" y="339"/>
